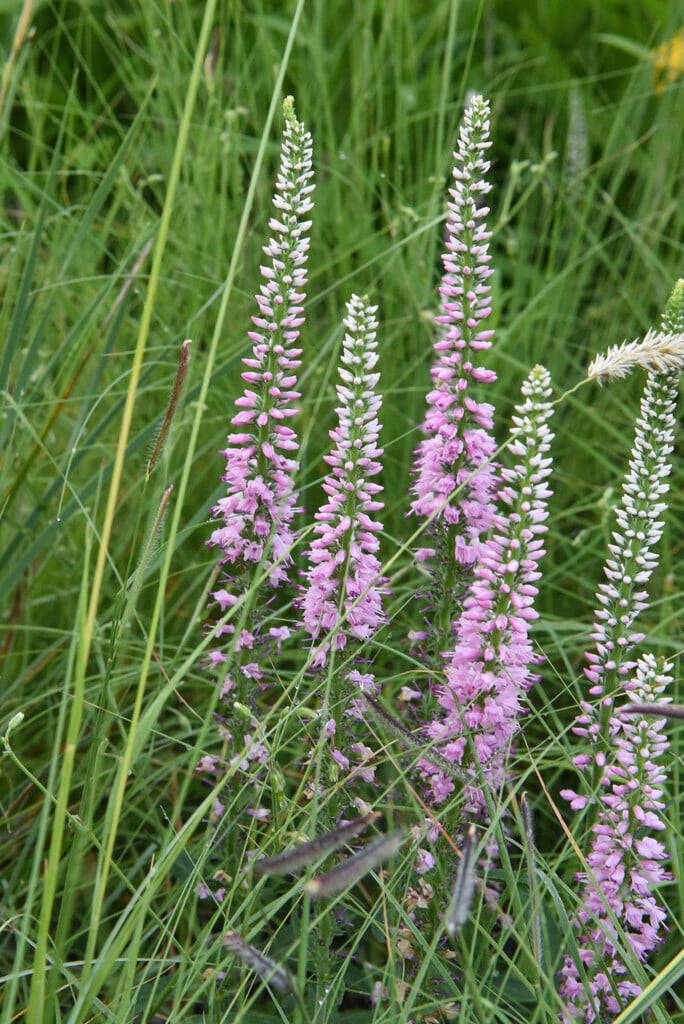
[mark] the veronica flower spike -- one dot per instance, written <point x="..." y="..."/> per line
<point x="490" y="668"/>
<point x="633" y="556"/>
<point x="256" y="514"/>
<point x="625" y="863"/>
<point x="454" y="475"/>
<point x="342" y="598"/>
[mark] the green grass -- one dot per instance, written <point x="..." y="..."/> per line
<point x="138" y="144"/>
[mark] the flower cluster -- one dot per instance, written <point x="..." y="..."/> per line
<point x="343" y="594"/>
<point x="625" y="865"/>
<point x="257" y="511"/>
<point x="454" y="474"/>
<point x="488" y="672"/>
<point x="486" y="524"/>
<point x="633" y="558"/>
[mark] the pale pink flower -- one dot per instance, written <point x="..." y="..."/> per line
<point x="454" y="475"/>
<point x="342" y="596"/>
<point x="256" y="514"/>
<point x="491" y="666"/>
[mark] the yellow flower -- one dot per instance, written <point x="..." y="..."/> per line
<point x="668" y="61"/>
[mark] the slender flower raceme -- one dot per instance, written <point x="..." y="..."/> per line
<point x="259" y="505"/>
<point x="255" y="536"/>
<point x="621" y="755"/>
<point x="454" y="477"/>
<point x="625" y="864"/>
<point x="342" y="598"/>
<point x="490" y="668"/>
<point x="632" y="560"/>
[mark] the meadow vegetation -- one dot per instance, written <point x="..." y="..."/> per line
<point x="139" y="146"/>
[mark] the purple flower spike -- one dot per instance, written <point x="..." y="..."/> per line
<point x="621" y="758"/>
<point x="489" y="670"/>
<point x="343" y="594"/>
<point x="456" y="455"/>
<point x="257" y="512"/>
<point x="625" y="864"/>
<point x="259" y="505"/>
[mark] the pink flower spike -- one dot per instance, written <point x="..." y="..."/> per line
<point x="491" y="666"/>
<point x="342" y="598"/>
<point x="457" y="453"/>
<point x="260" y="495"/>
<point x="624" y="872"/>
<point x="254" y="532"/>
<point x="625" y="757"/>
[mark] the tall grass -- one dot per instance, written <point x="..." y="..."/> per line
<point x="137" y="150"/>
